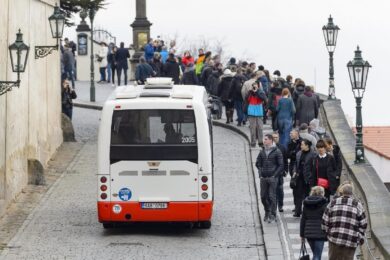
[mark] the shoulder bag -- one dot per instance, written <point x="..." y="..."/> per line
<point x="303" y="255"/>
<point x="321" y="181"/>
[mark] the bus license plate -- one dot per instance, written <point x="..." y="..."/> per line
<point x="154" y="205"/>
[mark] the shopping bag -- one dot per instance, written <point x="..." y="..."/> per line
<point x="303" y="255"/>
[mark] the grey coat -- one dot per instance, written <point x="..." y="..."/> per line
<point x="307" y="108"/>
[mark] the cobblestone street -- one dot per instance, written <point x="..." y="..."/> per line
<point x="64" y="225"/>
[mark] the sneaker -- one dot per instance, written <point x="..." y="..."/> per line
<point x="271" y="219"/>
<point x="296" y="215"/>
<point x="281" y="210"/>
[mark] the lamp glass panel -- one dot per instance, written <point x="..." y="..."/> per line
<point x="351" y="75"/>
<point x="23" y="59"/>
<point x="61" y="24"/>
<point x="53" y="27"/>
<point x="364" y="76"/>
<point x="358" y="70"/>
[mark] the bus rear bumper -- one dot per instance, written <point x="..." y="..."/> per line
<point x="176" y="212"/>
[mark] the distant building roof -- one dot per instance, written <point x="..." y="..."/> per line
<point x="377" y="139"/>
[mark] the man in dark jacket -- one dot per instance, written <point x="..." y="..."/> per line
<point x="121" y="57"/>
<point x="235" y="95"/>
<point x="189" y="75"/>
<point x="279" y="185"/>
<point x="172" y="68"/>
<point x="270" y="165"/>
<point x="307" y="107"/>
<point x="293" y="147"/>
<point x="143" y="71"/>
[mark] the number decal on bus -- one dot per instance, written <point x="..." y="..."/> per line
<point x="188" y="140"/>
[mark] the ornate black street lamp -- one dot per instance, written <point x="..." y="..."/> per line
<point x="57" y="22"/>
<point x="19" y="55"/>
<point x="92" y="13"/>
<point x="358" y="72"/>
<point x="330" y="34"/>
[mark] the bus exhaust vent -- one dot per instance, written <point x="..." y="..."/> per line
<point x="158" y="83"/>
<point x="155" y="94"/>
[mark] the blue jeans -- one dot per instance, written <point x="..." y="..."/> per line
<point x="108" y="72"/>
<point x="284" y="127"/>
<point x="239" y="110"/>
<point x="316" y="247"/>
<point x="69" y="74"/>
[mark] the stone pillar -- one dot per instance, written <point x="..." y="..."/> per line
<point x="141" y="34"/>
<point x="83" y="49"/>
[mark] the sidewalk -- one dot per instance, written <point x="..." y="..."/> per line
<point x="276" y="243"/>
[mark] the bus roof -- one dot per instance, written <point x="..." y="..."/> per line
<point x="159" y="88"/>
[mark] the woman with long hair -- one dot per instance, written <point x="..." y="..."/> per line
<point x="285" y="114"/>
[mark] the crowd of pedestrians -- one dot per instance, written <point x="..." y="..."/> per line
<point x="298" y="146"/>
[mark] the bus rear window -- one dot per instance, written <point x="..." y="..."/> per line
<point x="138" y="127"/>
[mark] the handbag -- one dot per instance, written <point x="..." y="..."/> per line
<point x="321" y="181"/>
<point x="303" y="255"/>
<point x="293" y="181"/>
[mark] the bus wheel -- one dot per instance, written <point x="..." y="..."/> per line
<point x="108" y="225"/>
<point x="205" y="224"/>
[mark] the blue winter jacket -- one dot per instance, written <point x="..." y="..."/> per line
<point x="149" y="52"/>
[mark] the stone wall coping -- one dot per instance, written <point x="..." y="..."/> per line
<point x="376" y="196"/>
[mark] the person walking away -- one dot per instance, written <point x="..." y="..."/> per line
<point x="172" y="69"/>
<point x="254" y="110"/>
<point x="304" y="134"/>
<point x="293" y="147"/>
<point x="102" y="60"/>
<point x="67" y="96"/>
<point x="164" y="54"/>
<point x="235" y="94"/>
<point x="206" y="72"/>
<point x="149" y="51"/>
<point x="307" y="107"/>
<point x="189" y="76"/>
<point x="121" y="57"/>
<point x="143" y="71"/>
<point x="69" y="61"/>
<point x="275" y="94"/>
<point x="323" y="170"/>
<point x="284" y="115"/>
<point x="269" y="162"/>
<point x="224" y="91"/>
<point x="302" y="172"/>
<point x="344" y="221"/>
<point x="334" y="150"/>
<point x="310" y="227"/>
<point x="111" y="59"/>
<point x="214" y="79"/>
<point x="279" y="185"/>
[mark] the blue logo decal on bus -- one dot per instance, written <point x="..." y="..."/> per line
<point x="124" y="194"/>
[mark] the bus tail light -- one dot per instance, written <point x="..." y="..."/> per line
<point x="204" y="195"/>
<point x="103" y="179"/>
<point x="204" y="187"/>
<point x="103" y="187"/>
<point x="103" y="196"/>
<point x="205" y="179"/>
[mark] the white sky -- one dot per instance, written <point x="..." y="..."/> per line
<point x="280" y="34"/>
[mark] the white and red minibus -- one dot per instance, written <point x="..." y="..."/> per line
<point x="155" y="160"/>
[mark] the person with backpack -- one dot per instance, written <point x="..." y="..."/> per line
<point x="274" y="96"/>
<point x="224" y="93"/>
<point x="285" y="113"/>
<point x="307" y="107"/>
<point x="334" y="150"/>
<point x="235" y="95"/>
<point x="254" y="110"/>
<point x="214" y="78"/>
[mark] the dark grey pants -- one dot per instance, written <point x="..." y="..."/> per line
<point x="268" y="194"/>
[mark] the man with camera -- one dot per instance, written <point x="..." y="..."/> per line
<point x="254" y="100"/>
<point x="67" y="96"/>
